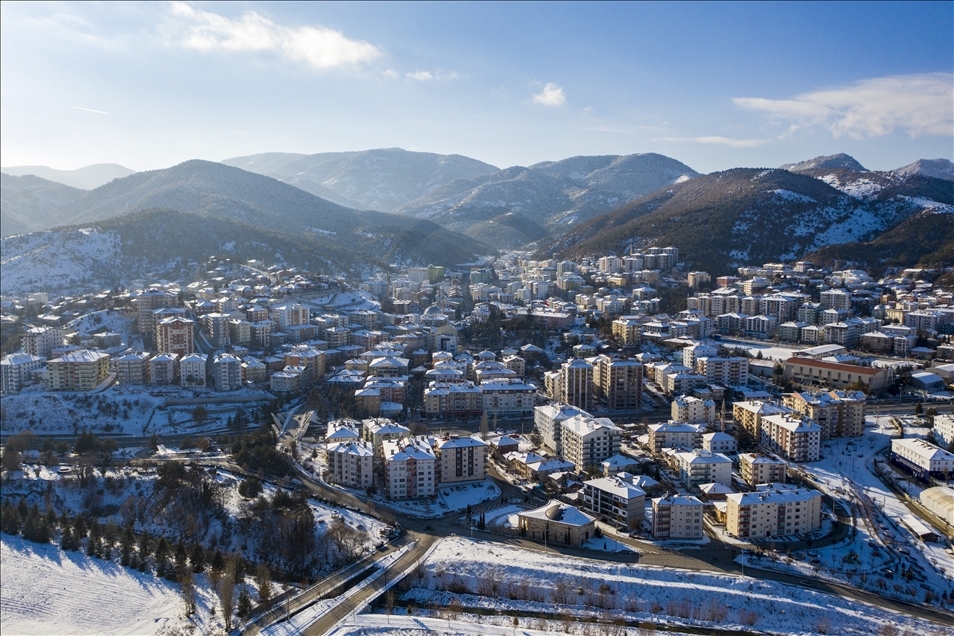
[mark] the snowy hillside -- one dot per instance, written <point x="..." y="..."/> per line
<point x="59" y="260"/>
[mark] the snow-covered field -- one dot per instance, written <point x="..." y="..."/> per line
<point x="47" y="591"/>
<point x="126" y="410"/>
<point x="511" y="580"/>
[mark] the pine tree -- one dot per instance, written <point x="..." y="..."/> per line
<point x="66" y="539"/>
<point x="126" y="544"/>
<point x="22" y="509"/>
<point x="197" y="558"/>
<point x="79" y="527"/>
<point x="263" y="581"/>
<point x="181" y="557"/>
<point x="162" y="562"/>
<point x="9" y="519"/>
<point x="244" y="607"/>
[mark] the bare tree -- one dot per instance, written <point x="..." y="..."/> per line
<point x="227" y="596"/>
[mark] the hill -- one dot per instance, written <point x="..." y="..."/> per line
<point x="382" y="179"/>
<point x="546" y="198"/>
<point x="28" y="203"/>
<point x="739" y="216"/>
<point x="171" y="244"/>
<point x="937" y="168"/>
<point x="86" y="178"/>
<point x="841" y="160"/>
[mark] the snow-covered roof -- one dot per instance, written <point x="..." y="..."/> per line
<point x="560" y="513"/>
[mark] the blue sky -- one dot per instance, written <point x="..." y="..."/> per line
<point x="713" y="85"/>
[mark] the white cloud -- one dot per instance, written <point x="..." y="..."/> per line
<point x="917" y="104"/>
<point x="427" y="76"/>
<point x="89" y="110"/>
<point x="315" y="46"/>
<point x="391" y="74"/>
<point x="721" y="141"/>
<point x="551" y="95"/>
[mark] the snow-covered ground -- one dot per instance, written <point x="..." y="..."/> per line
<point x="864" y="559"/>
<point x="511" y="580"/>
<point x="121" y="410"/>
<point x="450" y="498"/>
<point x="48" y="591"/>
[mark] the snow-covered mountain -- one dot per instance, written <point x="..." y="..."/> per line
<point x="382" y="179"/>
<point x="841" y="160"/>
<point x="937" y="168"/>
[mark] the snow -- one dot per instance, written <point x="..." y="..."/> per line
<point x="531" y="581"/>
<point x="73" y="258"/>
<point x="48" y="591"/>
<point x="788" y="195"/>
<point x="450" y="498"/>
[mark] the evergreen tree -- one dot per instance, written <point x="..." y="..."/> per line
<point x="79" y="527"/>
<point x="263" y="581"/>
<point x="162" y="561"/>
<point x="9" y="518"/>
<point x="126" y="544"/>
<point x="94" y="545"/>
<point x="66" y="539"/>
<point x="181" y="557"/>
<point x="244" y="607"/>
<point x="197" y="558"/>
<point x="22" y="509"/>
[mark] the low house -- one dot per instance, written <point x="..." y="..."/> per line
<point x="558" y="523"/>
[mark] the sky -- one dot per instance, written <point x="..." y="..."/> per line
<point x="715" y="86"/>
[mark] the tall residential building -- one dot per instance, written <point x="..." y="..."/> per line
<point x="677" y="517"/>
<point x="409" y="468"/>
<point x="461" y="459"/>
<point x="227" y="372"/>
<point x="219" y="331"/>
<point x="724" y="371"/>
<point x="616" y="499"/>
<point x="175" y="335"/>
<point x="760" y="469"/>
<point x="15" y="371"/>
<point x="164" y="369"/>
<point x="40" y="341"/>
<point x="618" y="382"/>
<point x="548" y="420"/>
<point x="133" y="368"/>
<point x="576" y="379"/>
<point x="146" y="303"/>
<point x="773" y="510"/>
<point x="749" y="415"/>
<point x="796" y="439"/>
<point x="839" y="413"/>
<point x="693" y="410"/>
<point x="587" y="441"/>
<point x="351" y="463"/>
<point x="699" y="467"/>
<point x="193" y="370"/>
<point x="81" y="370"/>
<point x="675" y="435"/>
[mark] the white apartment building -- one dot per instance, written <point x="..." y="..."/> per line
<point x="40" y="341"/>
<point x="618" y="382"/>
<point x="576" y="380"/>
<point x="724" y="371"/>
<point x="193" y="369"/>
<point x="693" y="410"/>
<point x="409" y="468"/>
<point x="677" y="517"/>
<point x="548" y="420"/>
<point x="507" y="398"/>
<point x="675" y="435"/>
<point x="839" y="413"/>
<point x="944" y="429"/>
<point x="378" y="430"/>
<point x="81" y="370"/>
<point x="922" y="458"/>
<point x="797" y="439"/>
<point x="164" y="369"/>
<point x="719" y="442"/>
<point x="461" y="459"/>
<point x="351" y="463"/>
<point x="704" y="467"/>
<point x="133" y="368"/>
<point x="773" y="510"/>
<point x="15" y="371"/>
<point x="587" y="441"/>
<point x="760" y="469"/>
<point x="616" y="499"/>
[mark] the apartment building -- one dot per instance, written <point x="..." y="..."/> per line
<point x="839" y="413"/>
<point x="227" y="372"/>
<point x="773" y="510"/>
<point x="576" y="380"/>
<point x="677" y="517"/>
<point x="699" y="467"/>
<point x="587" y="441"/>
<point x="148" y="302"/>
<point x="795" y="438"/>
<point x="453" y="399"/>
<point x="675" y="435"/>
<point x="175" y="335"/>
<point x="351" y="463"/>
<point x="719" y="442"/>
<point x="724" y="371"/>
<point x="692" y="410"/>
<point x="749" y="414"/>
<point x="81" y="370"/>
<point x="378" y="430"/>
<point x="193" y="370"/>
<point x="132" y="368"/>
<point x="615" y="498"/>
<point x="15" y="370"/>
<point x="619" y="383"/>
<point x="760" y="469"/>
<point x="40" y="341"/>
<point x="548" y="420"/>
<point x="409" y="468"/>
<point x="627" y="330"/>
<point x="164" y="369"/>
<point x="461" y="459"/>
<point x="507" y="398"/>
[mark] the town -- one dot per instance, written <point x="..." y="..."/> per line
<point x="789" y="422"/>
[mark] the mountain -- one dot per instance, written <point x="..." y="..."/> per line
<point x="937" y="168"/>
<point x="382" y="179"/>
<point x="925" y="239"/>
<point x="86" y="178"/>
<point x="841" y="160"/>
<point x="518" y="205"/>
<point x="27" y="203"/>
<point x="172" y="244"/>
<point x="726" y="219"/>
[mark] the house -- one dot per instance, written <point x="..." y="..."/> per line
<point x="557" y="522"/>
